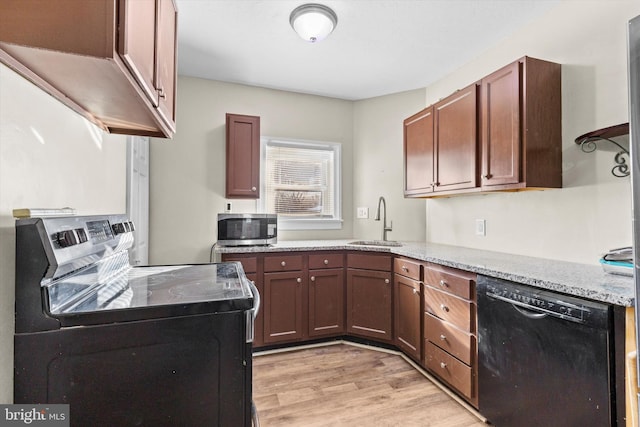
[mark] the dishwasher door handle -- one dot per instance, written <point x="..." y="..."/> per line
<point x="529" y="313"/>
<point x="532" y="312"/>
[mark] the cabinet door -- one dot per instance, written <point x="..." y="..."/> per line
<point x="326" y="302"/>
<point x="369" y="304"/>
<point x="456" y="141"/>
<point x="137" y="42"/>
<point x="283" y="309"/>
<point x="500" y="133"/>
<point x="243" y="156"/>
<point x="165" y="71"/>
<point x="407" y="315"/>
<point x="418" y="153"/>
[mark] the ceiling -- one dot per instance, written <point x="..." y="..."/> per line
<point x="378" y="47"/>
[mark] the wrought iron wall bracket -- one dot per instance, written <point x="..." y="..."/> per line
<point x="588" y="144"/>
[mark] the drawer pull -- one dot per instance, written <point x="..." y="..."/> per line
<point x="386" y="280"/>
<point x="326" y="262"/>
<point x="299" y="280"/>
<point x="443" y="283"/>
<point x="443" y="365"/>
<point x="404" y="268"/>
<point x="283" y="263"/>
<point x="443" y="337"/>
<point x="444" y="308"/>
<point x="313" y="278"/>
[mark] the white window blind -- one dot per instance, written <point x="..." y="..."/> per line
<point x="301" y="181"/>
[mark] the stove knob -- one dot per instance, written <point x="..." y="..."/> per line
<point x="118" y="228"/>
<point x="66" y="238"/>
<point x="131" y="226"/>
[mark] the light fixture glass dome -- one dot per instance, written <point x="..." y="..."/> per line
<point x="313" y="22"/>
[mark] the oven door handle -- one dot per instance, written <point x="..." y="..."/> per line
<point x="252" y="313"/>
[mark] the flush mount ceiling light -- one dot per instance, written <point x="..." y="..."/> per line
<point x="313" y="22"/>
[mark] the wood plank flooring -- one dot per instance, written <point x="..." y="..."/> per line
<point x="345" y="385"/>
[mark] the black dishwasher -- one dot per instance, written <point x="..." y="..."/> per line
<point x="547" y="359"/>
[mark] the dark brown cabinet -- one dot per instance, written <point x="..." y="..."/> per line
<point x="521" y="126"/>
<point x="285" y="283"/>
<point x="112" y="61"/>
<point x="243" y="156"/>
<point x="407" y="312"/>
<point x="503" y="133"/>
<point x="450" y="350"/>
<point x="369" y="296"/>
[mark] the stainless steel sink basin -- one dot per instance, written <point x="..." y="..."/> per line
<point x="390" y="243"/>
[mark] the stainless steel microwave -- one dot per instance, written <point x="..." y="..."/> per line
<point x="237" y="229"/>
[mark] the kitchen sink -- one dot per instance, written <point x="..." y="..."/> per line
<point x="390" y="243"/>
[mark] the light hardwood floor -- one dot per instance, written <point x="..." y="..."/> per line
<point x="345" y="385"/>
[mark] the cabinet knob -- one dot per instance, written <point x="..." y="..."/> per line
<point x="313" y="278"/>
<point x="443" y="283"/>
<point x="161" y="93"/>
<point x="299" y="280"/>
<point x="386" y="280"/>
<point x="443" y="365"/>
<point x="404" y="268"/>
<point x="253" y="188"/>
<point x="326" y="262"/>
<point x="415" y="291"/>
<point x="486" y="176"/>
<point x="444" y="308"/>
<point x="283" y="263"/>
<point x="443" y="337"/>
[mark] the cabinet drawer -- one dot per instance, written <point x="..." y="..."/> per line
<point x="408" y="268"/>
<point x="369" y="262"/>
<point x="318" y="261"/>
<point x="448" y="307"/>
<point x="282" y="263"/>
<point x="449" y="369"/>
<point x="454" y="341"/>
<point x="249" y="264"/>
<point x="457" y="282"/>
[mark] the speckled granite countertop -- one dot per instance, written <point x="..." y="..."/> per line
<point x="583" y="280"/>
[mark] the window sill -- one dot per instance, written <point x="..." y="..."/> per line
<point x="309" y="224"/>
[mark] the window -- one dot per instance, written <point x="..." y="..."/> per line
<point x="301" y="183"/>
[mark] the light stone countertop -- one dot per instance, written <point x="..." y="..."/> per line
<point x="582" y="280"/>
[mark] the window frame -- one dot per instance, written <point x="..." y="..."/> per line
<point x="289" y="223"/>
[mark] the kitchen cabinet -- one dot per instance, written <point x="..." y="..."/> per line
<point x="502" y="133"/>
<point x="369" y="296"/>
<point x="243" y="156"/>
<point x="521" y="132"/>
<point x="326" y="295"/>
<point x="112" y="61"/>
<point x="441" y="144"/>
<point x="284" y="308"/>
<point x="450" y="350"/>
<point x="407" y="307"/>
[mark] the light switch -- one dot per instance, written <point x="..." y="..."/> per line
<point x="362" y="213"/>
<point x="481" y="227"/>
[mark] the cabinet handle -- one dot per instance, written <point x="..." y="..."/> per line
<point x="326" y="262"/>
<point x="253" y="189"/>
<point x="443" y="283"/>
<point x="283" y="263"/>
<point x="444" y="308"/>
<point x="313" y="278"/>
<point x="386" y="280"/>
<point x="443" y="337"/>
<point x="443" y="365"/>
<point x="299" y="280"/>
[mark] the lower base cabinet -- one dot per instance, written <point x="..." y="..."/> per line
<point x="326" y="302"/>
<point x="283" y="306"/>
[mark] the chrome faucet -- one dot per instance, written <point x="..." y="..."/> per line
<point x="382" y="202"/>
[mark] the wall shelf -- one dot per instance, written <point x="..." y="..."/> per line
<point x="588" y="144"/>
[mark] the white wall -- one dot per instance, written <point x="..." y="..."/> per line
<point x="592" y="213"/>
<point x="49" y="157"/>
<point x="187" y="176"/>
<point x="378" y="166"/>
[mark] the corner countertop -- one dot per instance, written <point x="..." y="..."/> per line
<point x="582" y="280"/>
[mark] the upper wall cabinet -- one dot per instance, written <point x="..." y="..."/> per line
<point x="243" y="156"/>
<point x="503" y="133"/>
<point x="112" y="61"/>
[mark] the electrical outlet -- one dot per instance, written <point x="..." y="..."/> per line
<point x="481" y="227"/>
<point x="227" y="207"/>
<point x="362" y="213"/>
